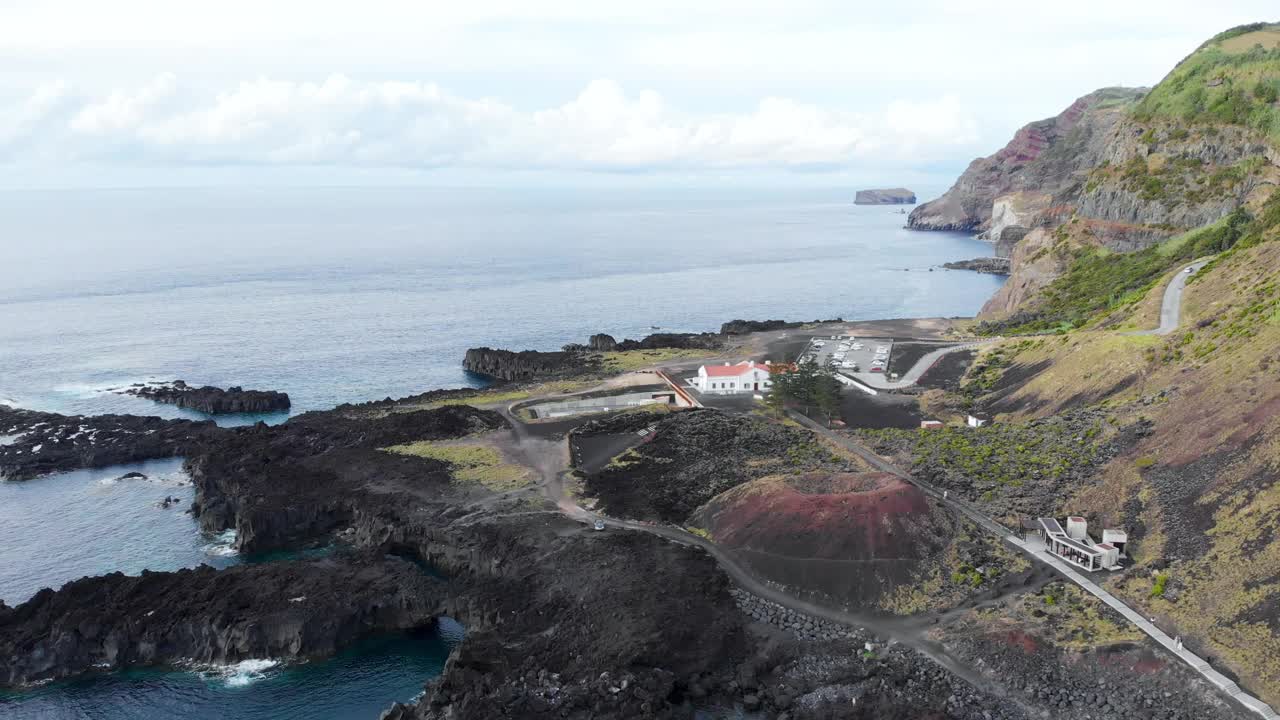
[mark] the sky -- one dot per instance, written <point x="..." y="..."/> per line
<point x="573" y="92"/>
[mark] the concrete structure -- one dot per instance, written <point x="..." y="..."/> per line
<point x="1077" y="528"/>
<point x="745" y="377"/>
<point x="584" y="406"/>
<point x="977" y="420"/>
<point x="1115" y="538"/>
<point x="1075" y="546"/>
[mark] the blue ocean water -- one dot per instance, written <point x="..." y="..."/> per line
<point x="338" y="295"/>
<point x="360" y="682"/>
<point x="66" y="526"/>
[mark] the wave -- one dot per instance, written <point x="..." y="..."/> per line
<point x="241" y="674"/>
<point x="224" y="545"/>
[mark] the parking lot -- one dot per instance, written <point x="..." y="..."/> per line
<point x="848" y="354"/>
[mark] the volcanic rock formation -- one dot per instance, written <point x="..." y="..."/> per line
<point x="212" y="400"/>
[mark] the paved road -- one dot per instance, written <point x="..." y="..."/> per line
<point x="1171" y="305"/>
<point x="1038" y="553"/>
<point x="912" y="376"/>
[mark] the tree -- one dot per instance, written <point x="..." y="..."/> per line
<point x="827" y="395"/>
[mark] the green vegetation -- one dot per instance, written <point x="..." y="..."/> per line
<point x="1000" y="454"/>
<point x="990" y="366"/>
<point x="967" y="575"/>
<point x="1232" y="79"/>
<point x="1100" y="281"/>
<point x="1157" y="589"/>
<point x="809" y="386"/>
<point x="469" y="463"/>
<point x="629" y="360"/>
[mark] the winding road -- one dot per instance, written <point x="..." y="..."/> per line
<point x="1171" y="305"/>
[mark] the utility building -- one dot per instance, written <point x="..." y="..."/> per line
<point x="1075" y="546"/>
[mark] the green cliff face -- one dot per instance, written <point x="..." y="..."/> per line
<point x="1233" y="79"/>
<point x="1200" y="150"/>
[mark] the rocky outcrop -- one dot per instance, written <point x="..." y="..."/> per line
<point x="212" y="400"/>
<point x="885" y="196"/>
<point x="1051" y="156"/>
<point x="48" y="442"/>
<point x="989" y="265"/>
<point x="292" y="484"/>
<point x="511" y="366"/>
<point x="282" y="611"/>
<point x="602" y="342"/>
<point x="1034" y="265"/>
<point x="746" y="327"/>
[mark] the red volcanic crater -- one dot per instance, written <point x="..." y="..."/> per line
<point x="851" y="537"/>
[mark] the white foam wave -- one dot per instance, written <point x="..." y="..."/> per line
<point x="241" y="674"/>
<point x="224" y="545"/>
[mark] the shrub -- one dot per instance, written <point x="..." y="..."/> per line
<point x="1157" y="589"/>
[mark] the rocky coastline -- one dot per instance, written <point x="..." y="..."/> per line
<point x="557" y="624"/>
<point x="44" y="443"/>
<point x="283" y="611"/>
<point x="211" y="400"/>
<point x="988" y="265"/>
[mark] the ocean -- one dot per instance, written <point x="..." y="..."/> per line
<point x="339" y="295"/>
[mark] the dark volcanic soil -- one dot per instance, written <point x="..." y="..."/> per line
<point x="851" y="537"/>
<point x="948" y="371"/>
<point x="296" y="482"/>
<point x="860" y="410"/>
<point x="695" y="455"/>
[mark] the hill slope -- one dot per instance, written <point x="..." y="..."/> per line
<point x="1183" y="431"/>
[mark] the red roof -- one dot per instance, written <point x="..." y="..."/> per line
<point x="733" y="370"/>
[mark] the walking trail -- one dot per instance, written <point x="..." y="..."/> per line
<point x="1038" y="552"/>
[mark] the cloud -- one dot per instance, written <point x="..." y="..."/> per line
<point x="343" y="122"/>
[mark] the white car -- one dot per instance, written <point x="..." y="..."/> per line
<point x="858" y="346"/>
<point x="882" y="348"/>
<point x="819" y="343"/>
<point x="1189" y="270"/>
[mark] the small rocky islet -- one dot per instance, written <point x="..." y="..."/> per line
<point x="211" y="400"/>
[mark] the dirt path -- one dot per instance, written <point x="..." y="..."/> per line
<point x="550" y="458"/>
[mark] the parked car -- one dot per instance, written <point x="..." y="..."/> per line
<point x="877" y="369"/>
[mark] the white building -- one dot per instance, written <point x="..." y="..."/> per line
<point x="977" y="420"/>
<point x="1075" y="546"/>
<point x="727" y="379"/>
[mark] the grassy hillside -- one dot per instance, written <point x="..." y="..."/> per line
<point x="1233" y="79"/>
<point x="1195" y="482"/>
<point x="1101" y="283"/>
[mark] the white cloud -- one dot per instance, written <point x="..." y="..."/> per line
<point x="344" y="122"/>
